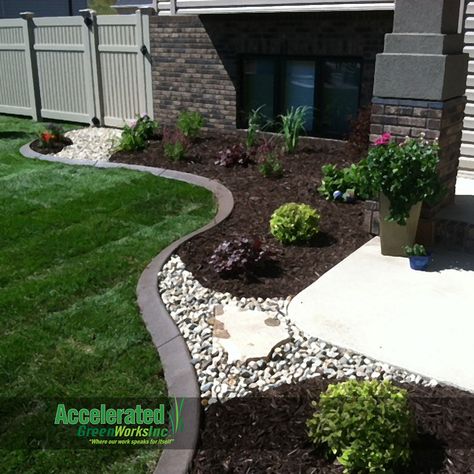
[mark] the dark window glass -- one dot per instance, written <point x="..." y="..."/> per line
<point x="259" y="86"/>
<point x="330" y="87"/>
<point x="339" y="96"/>
<point x="299" y="88"/>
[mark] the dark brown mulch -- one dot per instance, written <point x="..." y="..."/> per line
<point x="256" y="198"/>
<point x="267" y="434"/>
<point x="52" y="148"/>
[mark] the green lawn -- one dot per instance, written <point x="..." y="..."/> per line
<point x="73" y="242"/>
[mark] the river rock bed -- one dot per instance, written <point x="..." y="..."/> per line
<point x="92" y="143"/>
<point x="192" y="307"/>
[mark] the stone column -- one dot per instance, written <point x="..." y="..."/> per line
<point x="420" y="81"/>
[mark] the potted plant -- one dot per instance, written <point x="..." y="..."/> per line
<point x="419" y="257"/>
<point x="404" y="175"/>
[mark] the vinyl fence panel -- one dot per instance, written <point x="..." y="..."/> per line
<point x="64" y="78"/>
<point x="85" y="69"/>
<point x="125" y="67"/>
<point x="15" y="67"/>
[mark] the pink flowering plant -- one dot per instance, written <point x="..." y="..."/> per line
<point x="384" y="139"/>
<point x="406" y="173"/>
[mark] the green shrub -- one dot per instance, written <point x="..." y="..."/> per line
<point x="131" y="141"/>
<point x="145" y="126"/>
<point x="366" y="425"/>
<point x="269" y="162"/>
<point x="135" y="136"/>
<point x="292" y="126"/>
<point x="295" y="223"/>
<point x="336" y="182"/>
<point x="175" y="145"/>
<point x="271" y="167"/>
<point x="190" y="124"/>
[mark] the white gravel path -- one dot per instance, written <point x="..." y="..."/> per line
<point x="191" y="306"/>
<point x="93" y="143"/>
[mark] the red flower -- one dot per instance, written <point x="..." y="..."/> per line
<point x="47" y="137"/>
<point x="383" y="139"/>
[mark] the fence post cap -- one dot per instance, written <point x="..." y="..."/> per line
<point x="27" y="15"/>
<point x="87" y="12"/>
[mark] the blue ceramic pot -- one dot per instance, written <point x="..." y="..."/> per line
<point x="420" y="263"/>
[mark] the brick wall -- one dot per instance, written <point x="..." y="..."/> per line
<point x="438" y="120"/>
<point x="196" y="60"/>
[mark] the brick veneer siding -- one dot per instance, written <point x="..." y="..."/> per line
<point x="196" y="60"/>
<point x="438" y="120"/>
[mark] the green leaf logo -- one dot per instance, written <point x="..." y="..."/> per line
<point x="174" y="414"/>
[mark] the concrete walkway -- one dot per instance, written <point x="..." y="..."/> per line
<point x="420" y="321"/>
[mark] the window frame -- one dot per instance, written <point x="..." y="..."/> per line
<point x="280" y="68"/>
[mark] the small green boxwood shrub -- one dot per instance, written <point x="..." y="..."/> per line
<point x="367" y="425"/>
<point x="240" y="256"/>
<point x="295" y="223"/>
<point x="190" y="124"/>
<point x="135" y="136"/>
<point x="175" y="145"/>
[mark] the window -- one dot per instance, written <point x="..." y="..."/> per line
<point x="339" y="96"/>
<point x="329" y="86"/>
<point x="299" y="87"/>
<point x="259" y="86"/>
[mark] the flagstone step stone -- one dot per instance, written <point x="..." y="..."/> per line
<point x="247" y="335"/>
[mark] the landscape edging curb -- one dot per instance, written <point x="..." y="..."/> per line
<point x="179" y="373"/>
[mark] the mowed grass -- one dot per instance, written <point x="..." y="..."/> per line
<point x="73" y="242"/>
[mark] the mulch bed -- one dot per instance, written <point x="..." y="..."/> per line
<point x="267" y="433"/>
<point x="256" y="197"/>
<point x="52" y="148"/>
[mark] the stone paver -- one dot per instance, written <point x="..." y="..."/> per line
<point x="247" y="334"/>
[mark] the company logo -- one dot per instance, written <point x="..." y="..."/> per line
<point x="119" y="426"/>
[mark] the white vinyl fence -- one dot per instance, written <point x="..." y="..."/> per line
<point x="89" y="69"/>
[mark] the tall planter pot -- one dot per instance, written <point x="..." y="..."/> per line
<point x="395" y="237"/>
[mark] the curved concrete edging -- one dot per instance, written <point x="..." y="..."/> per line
<point x="179" y="373"/>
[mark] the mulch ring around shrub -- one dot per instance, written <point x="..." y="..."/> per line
<point x="256" y="197"/>
<point x="52" y="148"/>
<point x="267" y="433"/>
